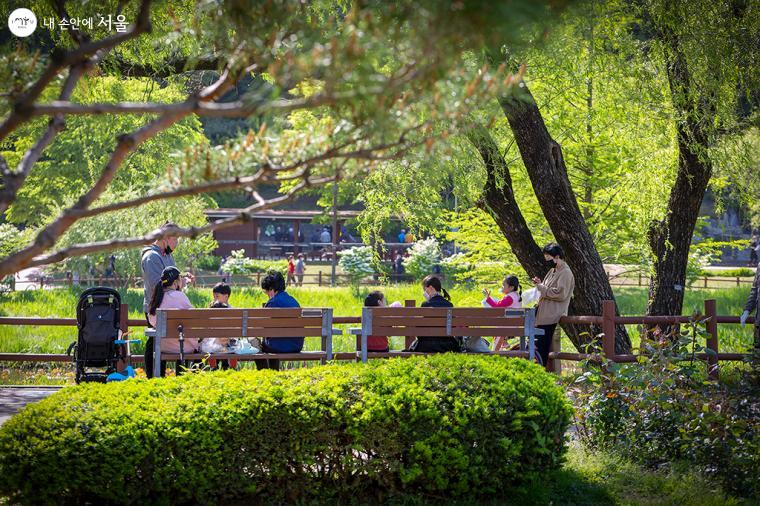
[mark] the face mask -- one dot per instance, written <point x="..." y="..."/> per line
<point x="168" y="250"/>
<point x="550" y="264"/>
<point x="425" y="295"/>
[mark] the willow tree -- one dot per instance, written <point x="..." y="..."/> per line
<point x="365" y="76"/>
<point x="709" y="51"/>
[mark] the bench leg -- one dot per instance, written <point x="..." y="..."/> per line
<point x="157" y="357"/>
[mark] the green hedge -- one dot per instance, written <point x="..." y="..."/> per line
<point x="451" y="425"/>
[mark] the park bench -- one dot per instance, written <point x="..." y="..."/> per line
<point x="457" y="322"/>
<point x="236" y="323"/>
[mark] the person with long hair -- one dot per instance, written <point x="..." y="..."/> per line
<point x="168" y="294"/>
<point x="556" y="289"/>
<point x="435" y="296"/>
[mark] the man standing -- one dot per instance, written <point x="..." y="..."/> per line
<point x="155" y="258"/>
<point x="300" y="269"/>
<point x="753" y="306"/>
<point x="753" y="249"/>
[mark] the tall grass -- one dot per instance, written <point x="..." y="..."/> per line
<point x="345" y="302"/>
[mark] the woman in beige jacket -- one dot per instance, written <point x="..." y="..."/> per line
<point x="556" y="290"/>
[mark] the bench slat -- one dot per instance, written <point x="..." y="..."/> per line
<point x="428" y="321"/>
<point x="304" y="355"/>
<point x="437" y="311"/>
<point x="503" y="321"/>
<point x="173" y="333"/>
<point x="253" y="323"/>
<point x="441" y="331"/>
<point x="173" y="314"/>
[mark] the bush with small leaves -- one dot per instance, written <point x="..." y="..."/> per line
<point x="448" y="425"/>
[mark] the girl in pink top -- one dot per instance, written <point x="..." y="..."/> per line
<point x="510" y="287"/>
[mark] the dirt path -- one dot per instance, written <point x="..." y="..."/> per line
<point x="12" y="399"/>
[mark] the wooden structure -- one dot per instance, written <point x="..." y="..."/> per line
<point x="453" y="322"/>
<point x="270" y="323"/>
<point x="608" y="320"/>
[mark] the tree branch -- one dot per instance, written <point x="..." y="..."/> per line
<point x="126" y="144"/>
<point x="245" y="215"/>
<point x="21" y="109"/>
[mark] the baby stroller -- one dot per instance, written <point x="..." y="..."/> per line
<point x="98" y="344"/>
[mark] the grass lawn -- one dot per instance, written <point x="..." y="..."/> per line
<point x="601" y="479"/>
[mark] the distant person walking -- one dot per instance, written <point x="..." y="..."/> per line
<point x="402" y="236"/>
<point x="300" y="269"/>
<point x="556" y="290"/>
<point x="325" y="236"/>
<point x="291" y="271"/>
<point x="754" y="250"/>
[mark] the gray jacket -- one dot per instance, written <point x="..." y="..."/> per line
<point x="153" y="264"/>
<point x="753" y="302"/>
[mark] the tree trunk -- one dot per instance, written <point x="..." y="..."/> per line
<point x="542" y="157"/>
<point x="499" y="200"/>
<point x="670" y="238"/>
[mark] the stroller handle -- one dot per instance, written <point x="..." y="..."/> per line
<point x="126" y="341"/>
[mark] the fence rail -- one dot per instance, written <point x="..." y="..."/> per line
<point x="608" y="320"/>
<point x="325" y="279"/>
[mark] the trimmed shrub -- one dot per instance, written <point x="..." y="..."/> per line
<point x="450" y="425"/>
<point x="238" y="263"/>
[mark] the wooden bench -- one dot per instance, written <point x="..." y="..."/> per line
<point x="271" y="323"/>
<point x="441" y="322"/>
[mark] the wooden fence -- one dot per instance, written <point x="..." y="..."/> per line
<point x="321" y="278"/>
<point x="607" y="321"/>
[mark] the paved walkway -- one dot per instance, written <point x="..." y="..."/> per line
<point x="12" y="399"/>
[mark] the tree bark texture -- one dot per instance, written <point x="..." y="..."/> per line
<point x="670" y="238"/>
<point x="542" y="157"/>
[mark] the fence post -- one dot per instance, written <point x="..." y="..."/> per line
<point x="737" y="281"/>
<point x="608" y="329"/>
<point x="408" y="340"/>
<point x="705" y="281"/>
<point x="712" y="339"/>
<point x="320" y="278"/>
<point x="639" y="278"/>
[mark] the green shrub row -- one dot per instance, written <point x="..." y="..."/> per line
<point x="446" y="426"/>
